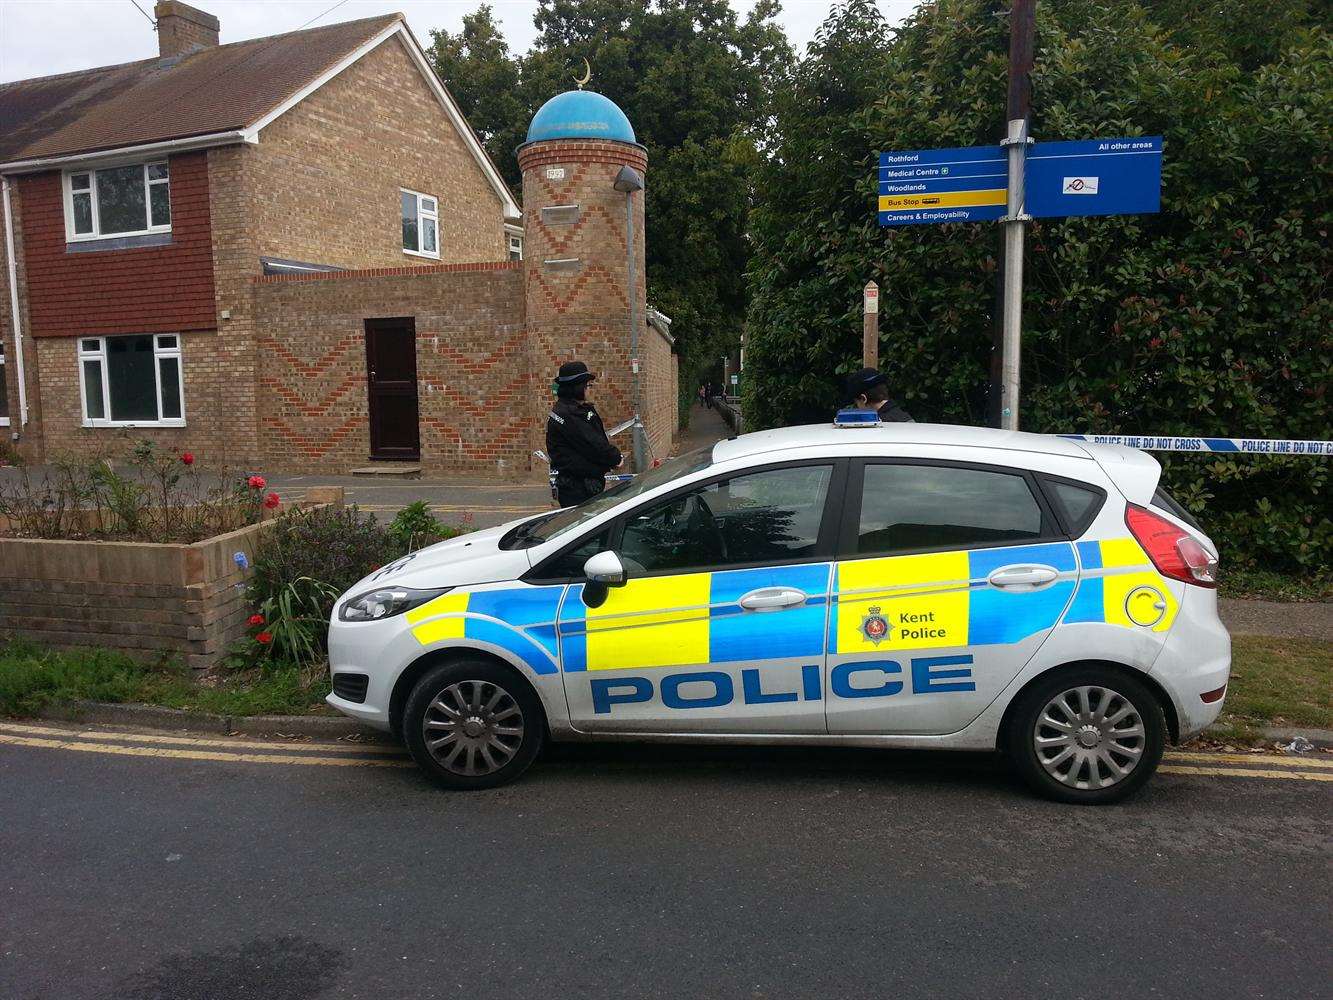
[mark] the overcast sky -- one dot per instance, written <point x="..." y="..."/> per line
<point x="41" y="37"/>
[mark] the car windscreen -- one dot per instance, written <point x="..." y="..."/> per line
<point x="567" y="519"/>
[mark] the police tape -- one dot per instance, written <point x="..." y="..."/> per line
<point x="1210" y="445"/>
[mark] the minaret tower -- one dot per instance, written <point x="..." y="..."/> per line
<point x="583" y="251"/>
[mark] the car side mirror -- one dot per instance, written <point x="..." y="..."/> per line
<point x="605" y="568"/>
<point x="604" y="571"/>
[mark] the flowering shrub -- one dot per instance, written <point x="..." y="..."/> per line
<point x="153" y="494"/>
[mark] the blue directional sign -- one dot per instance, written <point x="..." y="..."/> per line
<point x="970" y="184"/>
<point x="942" y="185"/>
<point x="1094" y="177"/>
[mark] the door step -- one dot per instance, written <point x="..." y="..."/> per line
<point x="389" y="469"/>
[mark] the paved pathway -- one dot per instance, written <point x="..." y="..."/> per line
<point x="1246" y="617"/>
<point x="479" y="502"/>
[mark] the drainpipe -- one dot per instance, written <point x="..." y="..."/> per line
<point x="628" y="181"/>
<point x="14" y="303"/>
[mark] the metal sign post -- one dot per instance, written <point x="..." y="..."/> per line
<point x="1021" y="30"/>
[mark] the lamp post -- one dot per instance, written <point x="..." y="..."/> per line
<point x="630" y="180"/>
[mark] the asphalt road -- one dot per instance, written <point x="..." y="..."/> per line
<point x="615" y="871"/>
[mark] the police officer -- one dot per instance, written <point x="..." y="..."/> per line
<point x="868" y="389"/>
<point x="581" y="453"/>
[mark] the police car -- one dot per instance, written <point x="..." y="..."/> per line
<point x="903" y="585"/>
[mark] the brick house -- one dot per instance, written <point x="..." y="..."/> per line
<point x="294" y="252"/>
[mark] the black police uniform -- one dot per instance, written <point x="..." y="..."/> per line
<point x="581" y="454"/>
<point x="865" y="381"/>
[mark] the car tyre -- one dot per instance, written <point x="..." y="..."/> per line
<point x="473" y="724"/>
<point x="1086" y="736"/>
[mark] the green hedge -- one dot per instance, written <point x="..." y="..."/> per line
<point x="1212" y="317"/>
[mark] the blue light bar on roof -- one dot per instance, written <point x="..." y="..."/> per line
<point x="856" y="418"/>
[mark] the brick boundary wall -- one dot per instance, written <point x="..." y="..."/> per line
<point x="142" y="598"/>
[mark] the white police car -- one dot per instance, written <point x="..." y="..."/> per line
<point x="904" y="585"/>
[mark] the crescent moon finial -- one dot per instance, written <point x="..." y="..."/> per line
<point x="587" y="75"/>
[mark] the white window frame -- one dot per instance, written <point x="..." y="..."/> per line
<point x="423" y="216"/>
<point x="72" y="237"/>
<point x="98" y="354"/>
<point x="4" y="414"/>
<point x="515" y="245"/>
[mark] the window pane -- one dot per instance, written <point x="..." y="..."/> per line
<point x="911" y="507"/>
<point x="131" y="378"/>
<point x="4" y="388"/>
<point x="83" y="212"/>
<point x="570" y="564"/>
<point x="91" y="345"/>
<point x="79" y="182"/>
<point x="1081" y="505"/>
<point x="166" y="342"/>
<point x="120" y="200"/>
<point x="171" y="387"/>
<point x="428" y="235"/>
<point x="410" y="222"/>
<point x="157" y="171"/>
<point x="92" y="389"/>
<point x="160" y="195"/>
<point x="428" y="204"/>
<point x="762" y="517"/>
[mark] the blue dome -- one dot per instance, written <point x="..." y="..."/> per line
<point x="580" y="114"/>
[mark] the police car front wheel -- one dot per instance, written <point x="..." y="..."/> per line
<point x="473" y="724"/>
<point x="1087" y="736"/>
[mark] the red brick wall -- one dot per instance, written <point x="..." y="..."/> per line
<point x="473" y="366"/>
<point x="165" y="289"/>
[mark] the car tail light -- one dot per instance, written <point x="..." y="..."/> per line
<point x="1173" y="550"/>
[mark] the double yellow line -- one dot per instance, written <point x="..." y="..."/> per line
<point x="195" y="748"/>
<point x="324" y="754"/>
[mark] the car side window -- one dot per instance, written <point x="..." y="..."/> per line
<point x="769" y="516"/>
<point x="568" y="565"/>
<point x="910" y="508"/>
<point x="1080" y="504"/>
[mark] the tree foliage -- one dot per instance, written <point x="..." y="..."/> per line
<point x="1211" y="317"/>
<point x="695" y="81"/>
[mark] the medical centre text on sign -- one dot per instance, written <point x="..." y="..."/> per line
<point x="970" y="184"/>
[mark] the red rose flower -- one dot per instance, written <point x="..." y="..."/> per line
<point x="255" y="620"/>
<point x="188" y="458"/>
<point x="271" y="501"/>
<point x="264" y="638"/>
<point x="256" y="482"/>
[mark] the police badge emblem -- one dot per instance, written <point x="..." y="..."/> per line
<point x="875" y="627"/>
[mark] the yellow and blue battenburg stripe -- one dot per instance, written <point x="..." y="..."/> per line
<point x="942" y="599"/>
<point x="1117" y="578"/>
<point x="929" y="600"/>
<point x="518" y="619"/>
<point x="706" y="624"/>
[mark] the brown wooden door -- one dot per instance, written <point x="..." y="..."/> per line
<point x="391" y="374"/>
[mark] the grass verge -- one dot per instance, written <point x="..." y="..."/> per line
<point x="33" y="677"/>
<point x="1277" y="682"/>
<point x="1274" y="682"/>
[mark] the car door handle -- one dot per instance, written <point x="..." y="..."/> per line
<point x="772" y="599"/>
<point x="1022" y="577"/>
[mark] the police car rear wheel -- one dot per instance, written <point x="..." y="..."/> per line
<point x="473" y="724"/>
<point x="1087" y="736"/>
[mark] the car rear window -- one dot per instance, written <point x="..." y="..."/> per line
<point x="911" y="508"/>
<point x="1165" y="501"/>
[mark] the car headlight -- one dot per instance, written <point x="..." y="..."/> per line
<point x="385" y="602"/>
